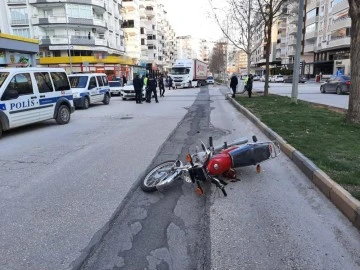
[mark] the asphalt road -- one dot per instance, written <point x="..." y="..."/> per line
<point x="308" y="92"/>
<point x="69" y="196"/>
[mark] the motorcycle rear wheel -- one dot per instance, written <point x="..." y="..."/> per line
<point x="156" y="175"/>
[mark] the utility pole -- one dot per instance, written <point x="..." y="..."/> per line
<point x="68" y="38"/>
<point x="294" y="92"/>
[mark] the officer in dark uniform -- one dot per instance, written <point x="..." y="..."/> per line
<point x="138" y="85"/>
<point x="151" y="89"/>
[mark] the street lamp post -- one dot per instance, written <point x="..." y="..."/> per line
<point x="68" y="38"/>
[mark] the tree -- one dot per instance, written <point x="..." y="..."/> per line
<point x="239" y="27"/>
<point x="270" y="11"/>
<point x="353" y="113"/>
<point x="217" y="58"/>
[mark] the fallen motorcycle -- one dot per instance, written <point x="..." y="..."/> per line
<point x="212" y="164"/>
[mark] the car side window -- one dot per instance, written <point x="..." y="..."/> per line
<point x="60" y="80"/>
<point x="20" y="84"/>
<point x="106" y="82"/>
<point x="43" y="82"/>
<point x="100" y="81"/>
<point x="92" y="83"/>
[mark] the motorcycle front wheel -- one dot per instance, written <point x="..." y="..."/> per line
<point x="157" y="175"/>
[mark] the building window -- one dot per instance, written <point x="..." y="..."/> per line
<point x="312" y="13"/>
<point x="128" y="24"/>
<point x="19" y="16"/>
<point x="142" y="31"/>
<point x="311" y="28"/>
<point x="22" y="32"/>
<point x="142" y="41"/>
<point x="80" y="11"/>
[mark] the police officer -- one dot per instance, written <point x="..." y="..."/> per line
<point x="138" y="85"/>
<point x="151" y="89"/>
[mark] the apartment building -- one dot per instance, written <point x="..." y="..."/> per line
<point x="189" y="47"/>
<point x="15" y="50"/>
<point x="79" y="35"/>
<point x="327" y="36"/>
<point x="258" y="58"/>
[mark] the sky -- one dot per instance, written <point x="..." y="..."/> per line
<point x="192" y="17"/>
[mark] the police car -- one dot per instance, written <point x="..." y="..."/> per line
<point x="89" y="88"/>
<point x="29" y="95"/>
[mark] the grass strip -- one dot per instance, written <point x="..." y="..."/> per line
<point x="319" y="133"/>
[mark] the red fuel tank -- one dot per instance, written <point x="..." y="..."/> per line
<point x="219" y="164"/>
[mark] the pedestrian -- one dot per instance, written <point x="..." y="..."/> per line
<point x="249" y="85"/>
<point x="161" y="86"/>
<point x="233" y="84"/>
<point x="138" y="85"/>
<point x="151" y="89"/>
<point x="124" y="80"/>
<point x="170" y="83"/>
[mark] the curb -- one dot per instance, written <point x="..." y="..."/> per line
<point x="341" y="198"/>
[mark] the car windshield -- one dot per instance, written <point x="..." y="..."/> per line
<point x="78" y="81"/>
<point x="179" y="71"/>
<point x="114" y="84"/>
<point x="210" y="78"/>
<point x="280" y="76"/>
<point x="3" y="76"/>
<point x="346" y="78"/>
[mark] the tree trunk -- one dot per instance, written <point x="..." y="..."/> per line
<point x="268" y="52"/>
<point x="248" y="62"/>
<point x="353" y="113"/>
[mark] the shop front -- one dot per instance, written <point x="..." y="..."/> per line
<point x="17" y="51"/>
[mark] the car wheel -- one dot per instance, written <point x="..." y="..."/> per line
<point x="123" y="98"/>
<point x="63" y="115"/>
<point x="86" y="103"/>
<point x="338" y="90"/>
<point x="106" y="100"/>
<point x="322" y="89"/>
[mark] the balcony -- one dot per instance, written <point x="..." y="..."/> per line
<point x="16" y="2"/>
<point x="340" y="6"/>
<point x="130" y="5"/>
<point x="73" y="40"/>
<point x="292" y="19"/>
<point x="309" y="48"/>
<point x="292" y="30"/>
<point x="311" y="20"/>
<point x="311" y="35"/>
<point x="291" y="42"/>
<point x="341" y="23"/>
<point x="100" y="42"/>
<point x="312" y="4"/>
<point x="150" y="13"/>
<point x="293" y="7"/>
<point x="98" y="4"/>
<point x="96" y="22"/>
<point x="339" y="43"/>
<point x="20" y="22"/>
<point x="291" y="52"/>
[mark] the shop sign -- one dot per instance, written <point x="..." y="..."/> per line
<point x="18" y="59"/>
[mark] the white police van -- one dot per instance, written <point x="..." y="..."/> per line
<point x="29" y="95"/>
<point x="89" y="88"/>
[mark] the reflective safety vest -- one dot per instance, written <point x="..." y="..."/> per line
<point x="145" y="81"/>
<point x="246" y="80"/>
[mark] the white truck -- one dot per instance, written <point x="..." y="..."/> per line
<point x="189" y="73"/>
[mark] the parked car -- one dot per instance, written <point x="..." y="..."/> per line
<point x="336" y="84"/>
<point x="262" y="78"/>
<point x="210" y="80"/>
<point x="115" y="87"/>
<point x="128" y="91"/>
<point x="30" y="95"/>
<point x="277" y="78"/>
<point x="289" y="79"/>
<point x="256" y="78"/>
<point x="89" y="88"/>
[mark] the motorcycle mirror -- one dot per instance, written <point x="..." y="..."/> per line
<point x="254" y="138"/>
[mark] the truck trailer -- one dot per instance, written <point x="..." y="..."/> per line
<point x="189" y="73"/>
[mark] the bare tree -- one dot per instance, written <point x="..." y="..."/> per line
<point x="217" y="58"/>
<point x="353" y="113"/>
<point x="239" y="27"/>
<point x="270" y="11"/>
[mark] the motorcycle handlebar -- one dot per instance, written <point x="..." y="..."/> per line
<point x="227" y="145"/>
